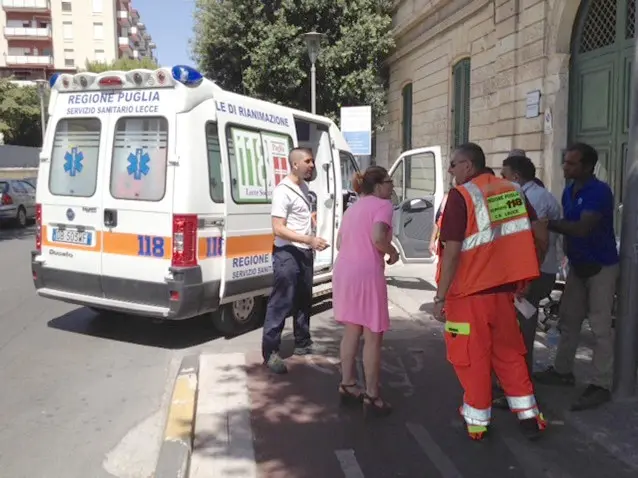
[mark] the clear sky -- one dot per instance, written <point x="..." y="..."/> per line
<point x="170" y="23"/>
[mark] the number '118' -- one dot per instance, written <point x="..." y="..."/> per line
<point x="152" y="246"/>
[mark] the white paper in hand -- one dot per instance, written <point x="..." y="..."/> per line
<point x="524" y="307"/>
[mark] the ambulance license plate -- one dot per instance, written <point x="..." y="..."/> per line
<point x="70" y="236"/>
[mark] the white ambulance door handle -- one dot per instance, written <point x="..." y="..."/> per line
<point x="326" y="168"/>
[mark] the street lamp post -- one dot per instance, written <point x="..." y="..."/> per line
<point x="313" y="43"/>
<point x="41" y="87"/>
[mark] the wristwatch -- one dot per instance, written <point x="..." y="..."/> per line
<point x="438" y="300"/>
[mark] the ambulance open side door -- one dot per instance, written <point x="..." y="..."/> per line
<point x="418" y="192"/>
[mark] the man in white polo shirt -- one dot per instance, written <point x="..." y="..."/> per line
<point x="292" y="261"/>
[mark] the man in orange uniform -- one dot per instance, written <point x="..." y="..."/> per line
<point x="489" y="256"/>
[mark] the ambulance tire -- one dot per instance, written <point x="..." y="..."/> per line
<point x="241" y="316"/>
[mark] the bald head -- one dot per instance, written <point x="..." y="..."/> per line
<point x="302" y="163"/>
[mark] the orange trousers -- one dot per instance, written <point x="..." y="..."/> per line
<point x="482" y="334"/>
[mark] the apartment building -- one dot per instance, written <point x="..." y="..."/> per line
<point x="40" y="37"/>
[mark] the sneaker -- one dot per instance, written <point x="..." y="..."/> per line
<point x="551" y="377"/>
<point x="276" y="364"/>
<point x="592" y="397"/>
<point x="311" y="349"/>
<point x="531" y="428"/>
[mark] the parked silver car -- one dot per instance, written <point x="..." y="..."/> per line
<point x="17" y="201"/>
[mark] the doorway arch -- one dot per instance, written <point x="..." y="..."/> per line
<point x="600" y="83"/>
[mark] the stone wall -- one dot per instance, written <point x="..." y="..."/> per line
<point x="515" y="47"/>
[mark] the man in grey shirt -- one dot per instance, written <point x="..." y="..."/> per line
<point x="521" y="170"/>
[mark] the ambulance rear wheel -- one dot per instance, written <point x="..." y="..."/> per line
<point x="240" y="316"/>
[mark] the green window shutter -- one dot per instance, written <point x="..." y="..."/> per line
<point x="461" y="103"/>
<point x="407" y="117"/>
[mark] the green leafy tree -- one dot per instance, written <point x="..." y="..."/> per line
<point x="256" y="47"/>
<point x="20" y="114"/>
<point x="121" y="64"/>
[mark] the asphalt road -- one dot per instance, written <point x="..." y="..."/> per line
<point x="83" y="395"/>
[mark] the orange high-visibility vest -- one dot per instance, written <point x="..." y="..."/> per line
<point x="499" y="247"/>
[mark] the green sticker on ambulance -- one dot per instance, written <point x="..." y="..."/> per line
<point x="505" y="206"/>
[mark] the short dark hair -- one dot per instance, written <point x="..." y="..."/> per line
<point x="292" y="152"/>
<point x="521" y="165"/>
<point x="588" y="154"/>
<point x="474" y="153"/>
<point x="489" y="170"/>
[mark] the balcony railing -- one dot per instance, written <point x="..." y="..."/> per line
<point x="29" y="33"/>
<point x="30" y="60"/>
<point x="123" y="17"/>
<point x="27" y="5"/>
<point x="125" y="43"/>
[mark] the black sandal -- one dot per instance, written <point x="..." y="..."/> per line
<point x="375" y="406"/>
<point x="349" y="398"/>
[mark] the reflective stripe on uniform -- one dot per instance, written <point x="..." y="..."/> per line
<point x="526" y="414"/>
<point x="486" y="233"/>
<point x="521" y="403"/>
<point x="474" y="416"/>
<point x="460" y="328"/>
<point x="525" y="407"/>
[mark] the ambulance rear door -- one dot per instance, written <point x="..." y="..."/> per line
<point x="418" y="192"/>
<point x="255" y="139"/>
<point x="138" y="196"/>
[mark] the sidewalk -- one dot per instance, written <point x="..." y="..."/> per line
<point x="250" y="423"/>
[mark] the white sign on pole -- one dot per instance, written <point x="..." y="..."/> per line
<point x="356" y="126"/>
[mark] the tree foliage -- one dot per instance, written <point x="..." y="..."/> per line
<point x="20" y="114"/>
<point x="121" y="64"/>
<point x="256" y="47"/>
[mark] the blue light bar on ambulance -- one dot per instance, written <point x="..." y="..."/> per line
<point x="187" y="75"/>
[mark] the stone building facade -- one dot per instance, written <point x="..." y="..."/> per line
<point x="467" y="69"/>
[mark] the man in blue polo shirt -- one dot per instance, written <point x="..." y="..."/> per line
<point x="590" y="246"/>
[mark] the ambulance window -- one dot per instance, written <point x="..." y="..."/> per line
<point x="420" y="175"/>
<point x="74" y="158"/>
<point x="215" y="178"/>
<point x="258" y="160"/>
<point x="348" y="168"/>
<point x="140" y="151"/>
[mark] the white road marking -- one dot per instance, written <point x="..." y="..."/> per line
<point x="223" y="433"/>
<point x="329" y="368"/>
<point x="439" y="459"/>
<point x="349" y="464"/>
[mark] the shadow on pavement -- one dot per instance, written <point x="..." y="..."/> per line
<point x="9" y="232"/>
<point x="165" y="334"/>
<point x="300" y="430"/>
<point x="154" y="333"/>
<point x="411" y="283"/>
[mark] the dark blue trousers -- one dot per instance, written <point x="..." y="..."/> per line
<point x="291" y="295"/>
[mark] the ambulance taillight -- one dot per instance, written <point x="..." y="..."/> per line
<point x="38" y="227"/>
<point x="184" y="240"/>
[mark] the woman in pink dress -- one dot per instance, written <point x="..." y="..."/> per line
<point x="360" y="294"/>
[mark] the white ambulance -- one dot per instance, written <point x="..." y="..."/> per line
<point x="154" y="190"/>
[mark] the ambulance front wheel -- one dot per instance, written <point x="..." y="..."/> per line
<point x="240" y="316"/>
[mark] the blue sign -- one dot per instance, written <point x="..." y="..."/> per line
<point x="359" y="142"/>
<point x="73" y="161"/>
<point x="138" y="164"/>
<point x="70" y="215"/>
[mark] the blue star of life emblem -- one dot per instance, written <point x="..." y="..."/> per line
<point x="138" y="164"/>
<point x="73" y="161"/>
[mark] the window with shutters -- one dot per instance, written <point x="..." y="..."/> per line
<point x="406" y="124"/>
<point x="461" y="103"/>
